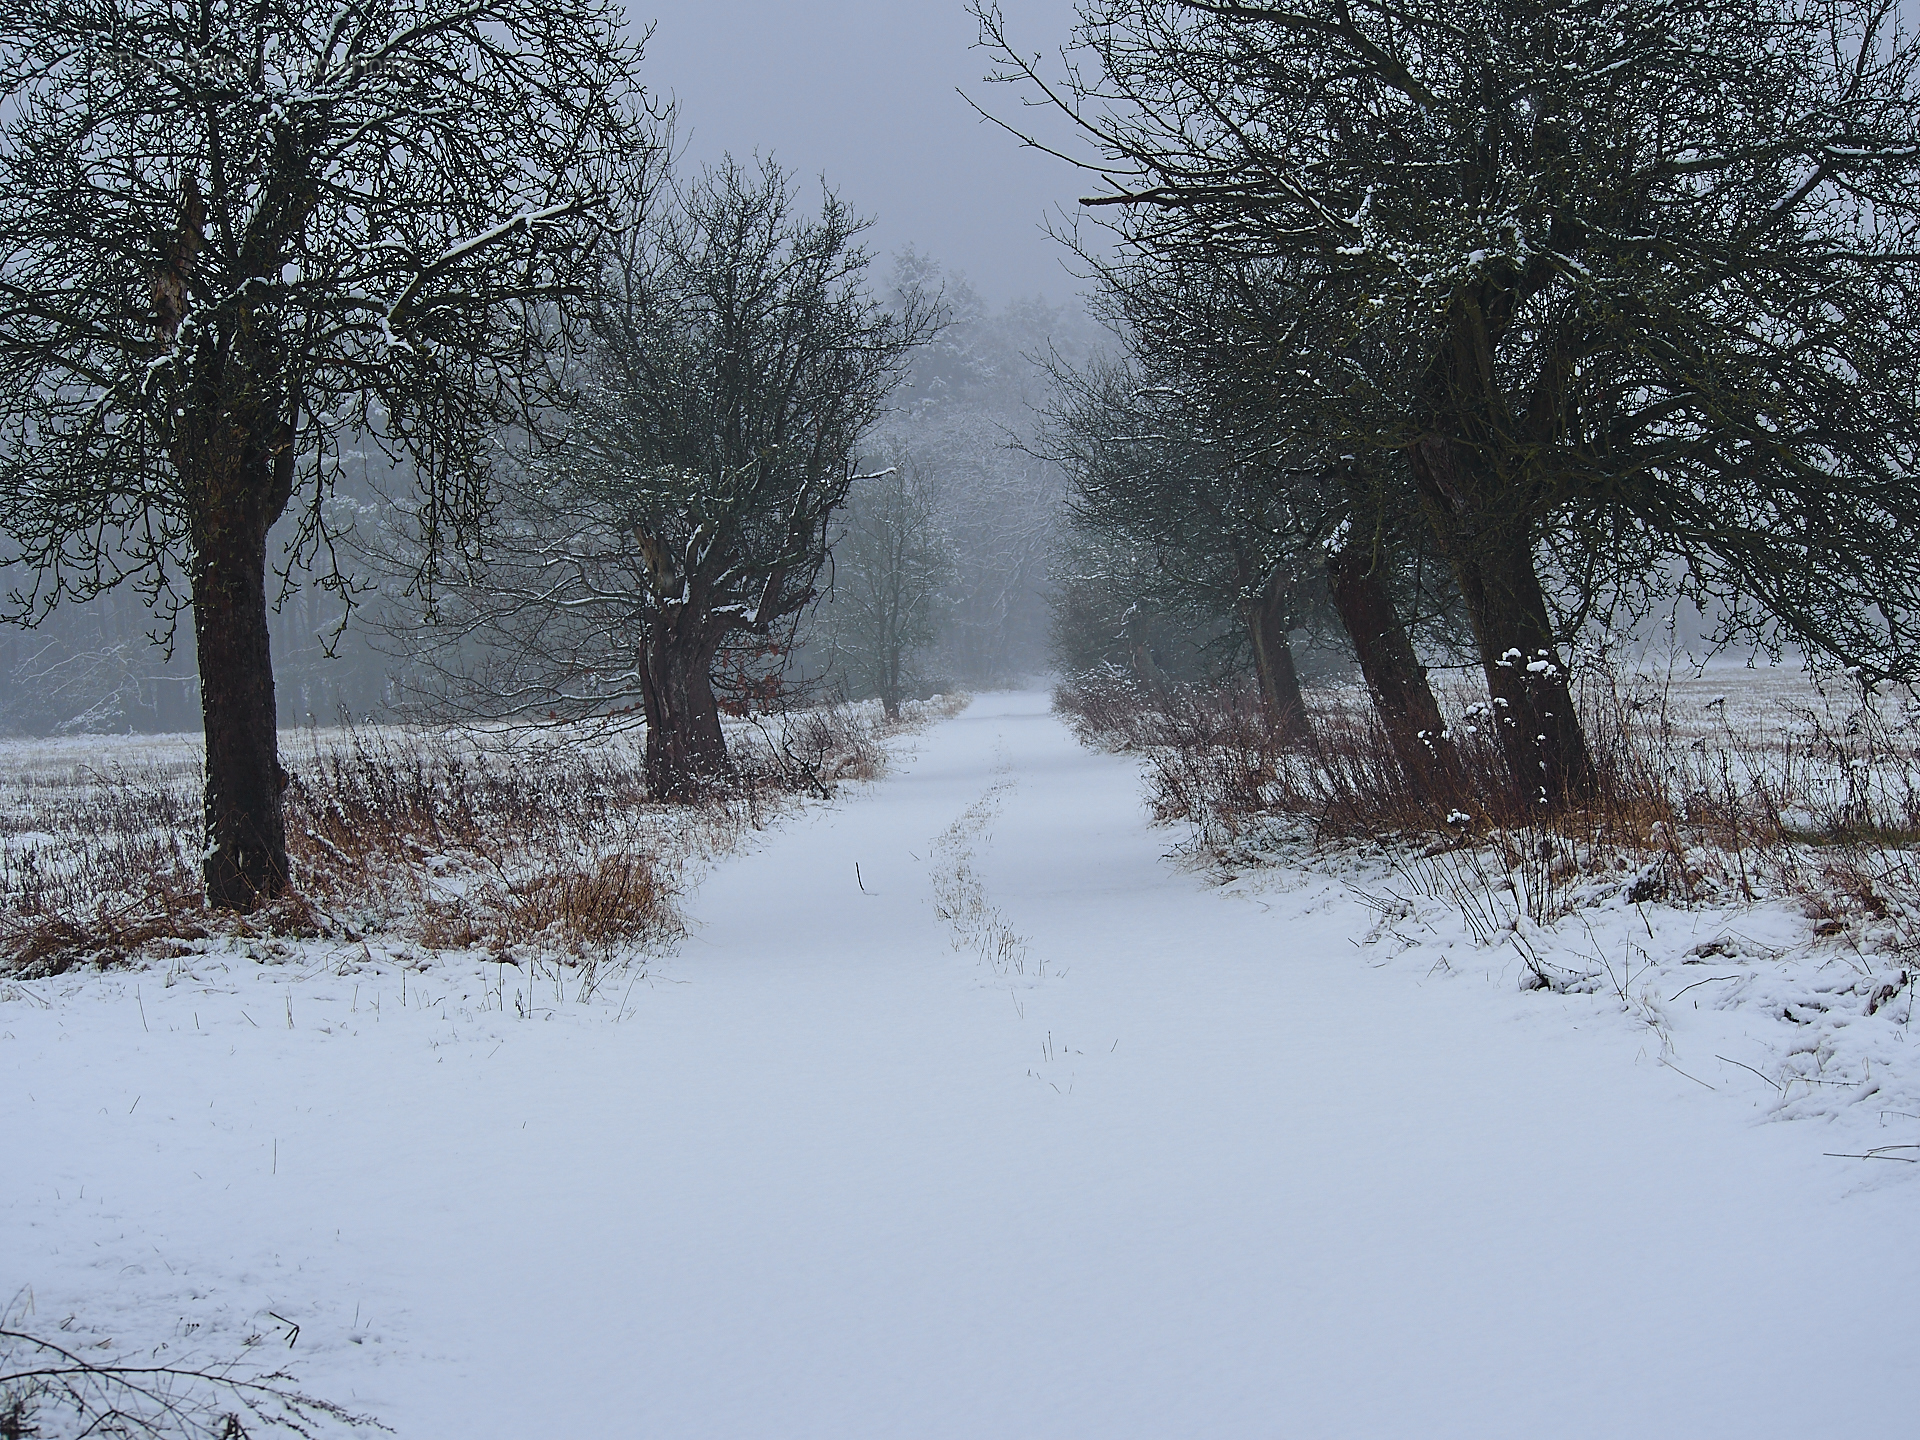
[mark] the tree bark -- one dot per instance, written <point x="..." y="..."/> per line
<point x="890" y="684"/>
<point x="686" y="751"/>
<point x="1492" y="558"/>
<point x="1395" y="678"/>
<point x="246" y="860"/>
<point x="1266" y="619"/>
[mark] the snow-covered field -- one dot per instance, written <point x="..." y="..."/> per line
<point x="965" y="1110"/>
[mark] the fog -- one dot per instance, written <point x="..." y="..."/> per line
<point x="866" y="93"/>
<point x="882" y="101"/>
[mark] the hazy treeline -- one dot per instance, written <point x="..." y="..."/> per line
<point x="1437" y="327"/>
<point x="987" y="507"/>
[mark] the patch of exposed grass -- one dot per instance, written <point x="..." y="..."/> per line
<point x="543" y="845"/>
<point x="1821" y="799"/>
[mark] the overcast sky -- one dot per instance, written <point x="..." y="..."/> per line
<point x="863" y="91"/>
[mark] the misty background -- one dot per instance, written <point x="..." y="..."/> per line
<point x="866" y="96"/>
<point x="871" y="98"/>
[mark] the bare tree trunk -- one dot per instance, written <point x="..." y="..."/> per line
<point x="246" y="859"/>
<point x="890" y="686"/>
<point x="1492" y="559"/>
<point x="1395" y="678"/>
<point x="686" y="751"/>
<point x="1267" y="620"/>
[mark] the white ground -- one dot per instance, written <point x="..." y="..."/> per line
<point x="1114" y="1151"/>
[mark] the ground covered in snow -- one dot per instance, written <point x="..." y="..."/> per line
<point x="967" y="1110"/>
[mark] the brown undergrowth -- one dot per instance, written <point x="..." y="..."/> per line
<point x="543" y="845"/>
<point x="1814" y="795"/>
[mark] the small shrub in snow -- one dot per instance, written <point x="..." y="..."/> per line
<point x="49" y="1391"/>
<point x="525" y="846"/>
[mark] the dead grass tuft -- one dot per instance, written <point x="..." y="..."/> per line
<point x="1819" y="799"/>
<point x="544" y="846"/>
<point x="610" y="900"/>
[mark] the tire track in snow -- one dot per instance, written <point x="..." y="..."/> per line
<point x="960" y="895"/>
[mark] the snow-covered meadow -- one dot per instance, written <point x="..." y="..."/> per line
<point x="972" y="1104"/>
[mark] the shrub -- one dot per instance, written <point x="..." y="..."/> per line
<point x="1688" y="795"/>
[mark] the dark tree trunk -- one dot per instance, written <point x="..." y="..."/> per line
<point x="1491" y="553"/>
<point x="686" y="752"/>
<point x="246" y="832"/>
<point x="891" y="686"/>
<point x="1267" y="620"/>
<point x="1395" y="678"/>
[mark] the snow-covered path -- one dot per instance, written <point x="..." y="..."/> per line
<point x="1175" y="1162"/>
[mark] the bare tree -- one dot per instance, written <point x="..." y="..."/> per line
<point x="1652" y="264"/>
<point x="1209" y="500"/>
<point x="891" y="565"/>
<point x="737" y="361"/>
<point x="233" y="237"/>
<point x="1113" y="610"/>
<point x="1273" y="369"/>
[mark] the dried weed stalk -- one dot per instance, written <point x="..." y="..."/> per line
<point x="48" y="1390"/>
<point x="545" y="846"/>
<point x="1691" y="803"/>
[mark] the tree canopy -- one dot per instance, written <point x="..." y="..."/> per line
<point x="235" y="239"/>
<point x="1649" y="267"/>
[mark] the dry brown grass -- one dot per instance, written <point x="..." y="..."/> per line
<point x="1817" y="795"/>
<point x="544" y="846"/>
<point x="471" y="848"/>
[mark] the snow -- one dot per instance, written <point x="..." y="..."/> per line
<point x="1026" y="1127"/>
